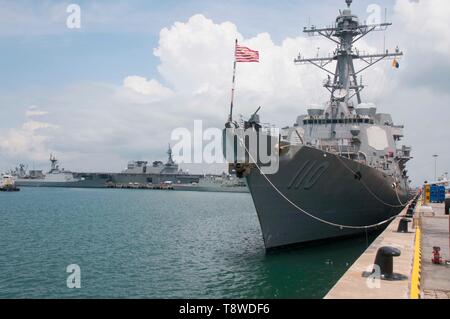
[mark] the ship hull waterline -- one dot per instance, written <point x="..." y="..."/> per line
<point x="78" y="184"/>
<point x="89" y="184"/>
<point x="325" y="186"/>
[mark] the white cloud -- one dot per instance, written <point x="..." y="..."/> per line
<point x="197" y="57"/>
<point x="30" y="141"/>
<point x="134" y="120"/>
<point x="31" y="113"/>
<point x="34" y="111"/>
<point x="426" y="23"/>
<point x="151" y="88"/>
<point x="32" y="126"/>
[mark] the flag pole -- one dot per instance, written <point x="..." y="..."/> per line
<point x="230" y="119"/>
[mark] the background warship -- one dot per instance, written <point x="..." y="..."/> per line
<point x="55" y="177"/>
<point x="136" y="174"/>
<point x="340" y="172"/>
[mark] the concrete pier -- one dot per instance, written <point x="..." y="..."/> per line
<point x="435" y="280"/>
<point x="422" y="278"/>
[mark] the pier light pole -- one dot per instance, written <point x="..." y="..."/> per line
<point x="435" y="166"/>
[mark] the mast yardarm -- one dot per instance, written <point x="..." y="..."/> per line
<point x="342" y="83"/>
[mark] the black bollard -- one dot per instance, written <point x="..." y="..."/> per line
<point x="409" y="214"/>
<point x="403" y="225"/>
<point x="447" y="206"/>
<point x="385" y="260"/>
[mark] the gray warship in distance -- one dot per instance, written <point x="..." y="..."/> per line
<point x="169" y="173"/>
<point x="156" y="173"/>
<point x="340" y="171"/>
<point x="55" y="177"/>
<point x="137" y="173"/>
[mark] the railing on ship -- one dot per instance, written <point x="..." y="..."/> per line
<point x="347" y="151"/>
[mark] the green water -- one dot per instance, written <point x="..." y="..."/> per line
<point x="153" y="244"/>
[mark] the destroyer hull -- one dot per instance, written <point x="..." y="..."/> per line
<point x="325" y="186"/>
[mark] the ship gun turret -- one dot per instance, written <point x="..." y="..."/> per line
<point x="254" y="121"/>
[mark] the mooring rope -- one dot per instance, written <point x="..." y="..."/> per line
<point x="304" y="211"/>
<point x="370" y="191"/>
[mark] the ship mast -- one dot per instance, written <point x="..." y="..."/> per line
<point x="53" y="161"/>
<point x="343" y="82"/>
<point x="170" y="160"/>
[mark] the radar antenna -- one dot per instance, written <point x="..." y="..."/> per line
<point x="347" y="30"/>
<point x="170" y="160"/>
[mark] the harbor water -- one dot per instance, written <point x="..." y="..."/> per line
<point x="153" y="244"/>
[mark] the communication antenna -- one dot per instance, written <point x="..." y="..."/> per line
<point x="345" y="33"/>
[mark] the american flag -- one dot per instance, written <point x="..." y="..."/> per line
<point x="244" y="54"/>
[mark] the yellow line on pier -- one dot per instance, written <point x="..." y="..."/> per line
<point x="415" y="280"/>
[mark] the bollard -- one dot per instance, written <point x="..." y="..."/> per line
<point x="385" y="260"/>
<point x="410" y="212"/>
<point x="403" y="225"/>
<point x="447" y="206"/>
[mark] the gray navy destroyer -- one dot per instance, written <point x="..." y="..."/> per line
<point x="340" y="170"/>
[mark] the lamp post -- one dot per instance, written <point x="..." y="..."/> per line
<point x="435" y="166"/>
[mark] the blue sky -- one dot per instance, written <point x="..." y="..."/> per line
<point x="109" y="46"/>
<point x="78" y="80"/>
